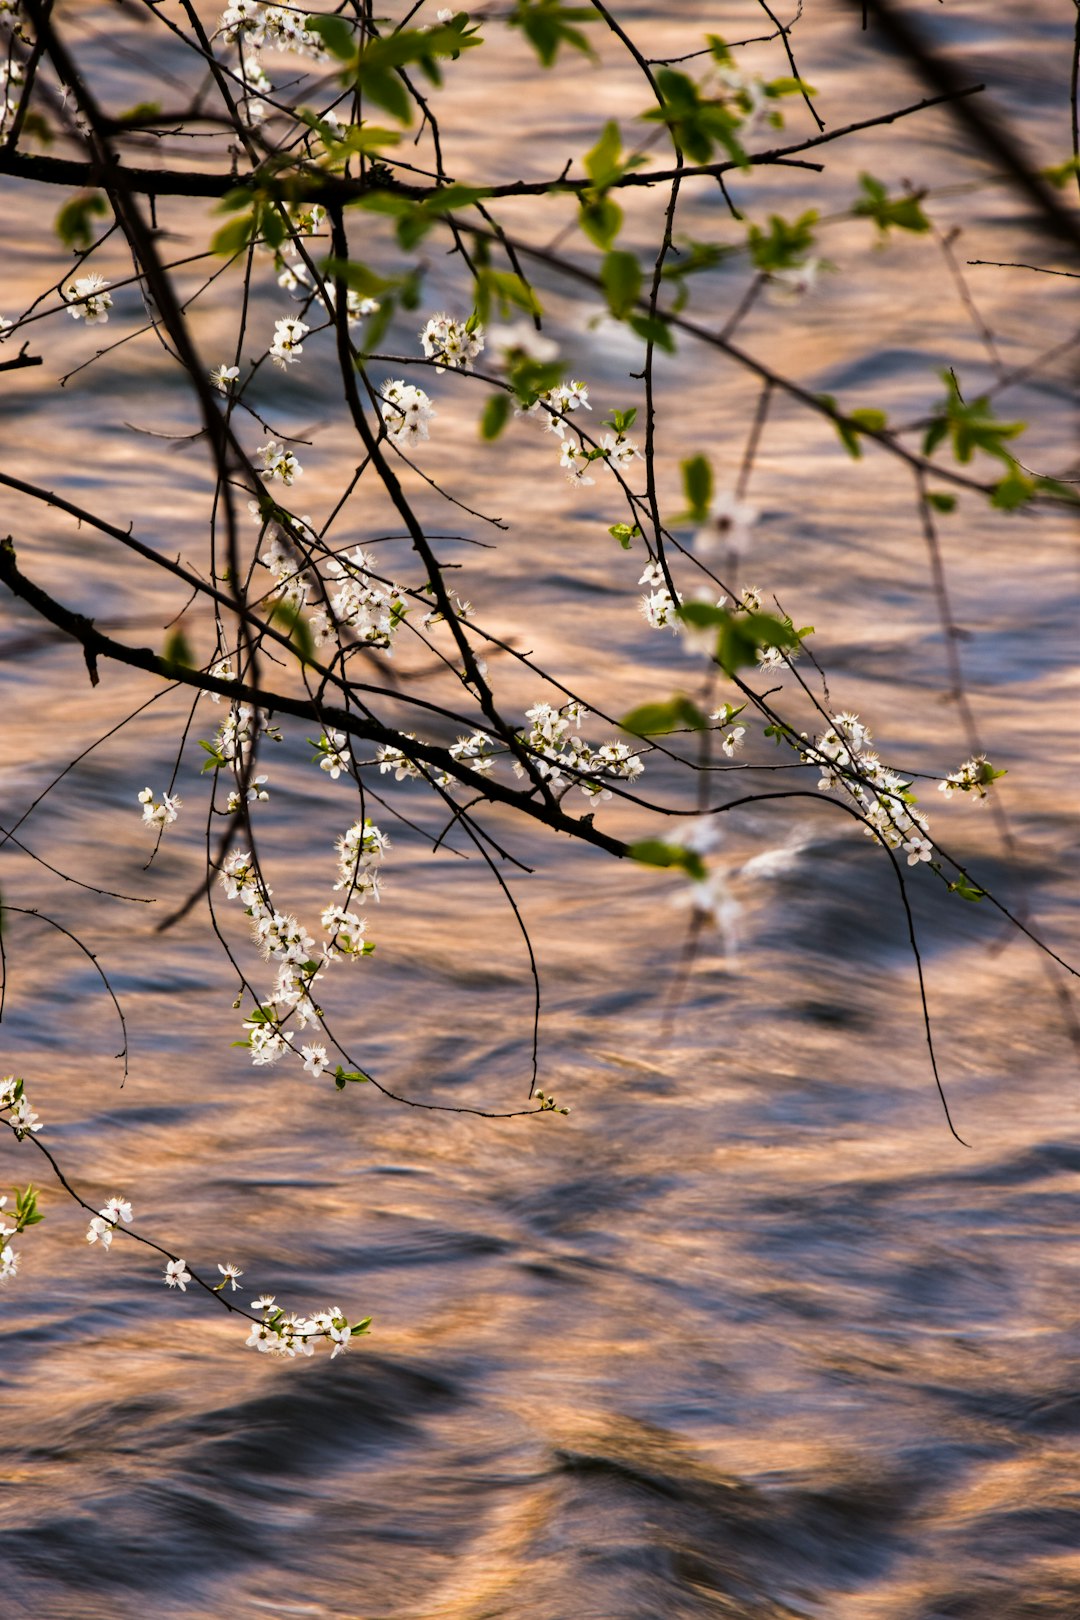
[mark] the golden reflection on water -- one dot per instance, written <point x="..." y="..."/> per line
<point x="748" y="1335"/>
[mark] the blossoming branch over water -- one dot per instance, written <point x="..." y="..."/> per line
<point x="348" y="260"/>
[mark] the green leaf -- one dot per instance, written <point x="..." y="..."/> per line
<point x="505" y="289"/>
<point x="530" y="378"/>
<point x="376" y="72"/>
<point x="940" y="502"/>
<point x="697" y="477"/>
<point x="966" y="890"/>
<point x="386" y="90"/>
<point x="620" y="275"/>
<point x="234" y="237"/>
<point x="848" y="429"/>
<point x="785" y="245"/>
<point x="358" y="277"/>
<point x="549" y="24"/>
<point x="904" y="212"/>
<point x="697" y="125"/>
<point x="1012" y="491"/>
<point x="679" y="713"/>
<point x="1061" y="174"/>
<point x="601" y="218"/>
<point x="144" y="112"/>
<point x="624" y="533"/>
<point x="178" y="650"/>
<point x="602" y="161"/>
<point x="343" y="1076"/>
<point x="788" y="86"/>
<point x="495" y="416"/>
<point x="739" y="635"/>
<point x="74" y="224"/>
<point x="652" y="329"/>
<point x="335" y="33"/>
<point x="969" y="427"/>
<point x="654" y="852"/>
<point x="291" y="621"/>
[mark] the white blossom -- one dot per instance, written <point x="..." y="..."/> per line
<point x="87" y="300"/>
<point x="315" y="1059"/>
<point x="223" y="377"/>
<point x="406" y="411"/>
<point x="278" y="462"/>
<point x="454" y="344"/>
<point x="177" y="1275"/>
<point x="99" y="1230"/>
<point x="161" y="814"/>
<point x="288" y="344"/>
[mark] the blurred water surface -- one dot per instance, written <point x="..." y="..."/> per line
<point x="748" y="1335"/>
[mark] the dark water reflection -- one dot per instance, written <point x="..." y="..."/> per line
<point x="748" y="1336"/>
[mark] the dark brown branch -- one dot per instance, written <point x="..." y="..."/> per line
<point x="96" y="644"/>
<point x="987" y="126"/>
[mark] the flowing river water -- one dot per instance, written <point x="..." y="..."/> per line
<point x="748" y="1335"/>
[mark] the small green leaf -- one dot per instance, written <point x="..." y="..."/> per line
<point x="654" y="852"/>
<point x="1060" y="174"/>
<point x="657" y="719"/>
<point x="291" y="621"/>
<point x="904" y="212"/>
<point x="697" y="477"/>
<point x="549" y="24"/>
<point x="234" y="237"/>
<point x="600" y="217"/>
<point x="74" y="222"/>
<point x="602" y="162"/>
<point x="651" y="329"/>
<point x="966" y="890"/>
<point x="505" y="289"/>
<point x="1012" y="491"/>
<point x="335" y="33"/>
<point x="620" y="275"/>
<point x="785" y="245"/>
<point x="495" y="416"/>
<point x="343" y="1076"/>
<point x="178" y="650"/>
<point x="940" y="502"/>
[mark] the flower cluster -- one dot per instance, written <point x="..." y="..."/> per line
<point x="333" y="754"/>
<point x="973" y="777"/>
<point x="291" y="1335"/>
<point x="392" y="758"/>
<point x="87" y="300"/>
<point x="552" y="407"/>
<point x="282" y="938"/>
<point x="564" y="759"/>
<point x="475" y="751"/>
<point x="848" y="764"/>
<point x="294" y="585"/>
<point x="278" y="462"/>
<point x="658" y="606"/>
<point x="252" y="27"/>
<point x="104" y="1223"/>
<point x="16" y="1105"/>
<point x="406" y="411"/>
<point x="361" y="850"/>
<point x="361" y="603"/>
<point x="454" y="344"/>
<point x="288" y="344"/>
<point x="160" y="815"/>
